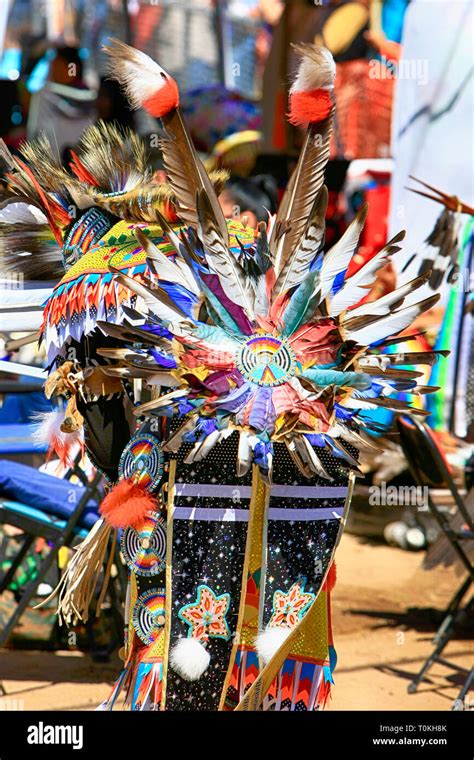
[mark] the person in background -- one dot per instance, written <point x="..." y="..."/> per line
<point x="65" y="106"/>
<point x="112" y="105"/>
<point x="249" y="197"/>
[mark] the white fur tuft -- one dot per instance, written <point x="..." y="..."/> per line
<point x="141" y="79"/>
<point x="189" y="659"/>
<point x="315" y="72"/>
<point x="269" y="641"/>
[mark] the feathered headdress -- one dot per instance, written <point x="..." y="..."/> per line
<point x="52" y="220"/>
<point x="279" y="348"/>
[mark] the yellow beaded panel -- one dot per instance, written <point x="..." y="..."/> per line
<point x="120" y="248"/>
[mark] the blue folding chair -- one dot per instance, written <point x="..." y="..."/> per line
<point x="58" y="510"/>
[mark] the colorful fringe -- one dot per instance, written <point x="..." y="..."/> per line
<point x="89" y="292"/>
<point x="304" y="683"/>
<point x="301" y="686"/>
<point x="142" y="682"/>
<point x="244" y="673"/>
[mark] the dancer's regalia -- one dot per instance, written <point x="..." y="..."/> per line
<point x="231" y="495"/>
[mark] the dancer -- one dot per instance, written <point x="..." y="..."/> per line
<point x="231" y="494"/>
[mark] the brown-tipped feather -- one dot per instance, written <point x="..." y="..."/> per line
<point x="186" y="173"/>
<point x="115" y="157"/>
<point x="232" y="276"/>
<point x="300" y="194"/>
<point x="295" y="267"/>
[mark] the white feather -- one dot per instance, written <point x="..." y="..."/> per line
<point x="392" y="324"/>
<point x="244" y="454"/>
<point x="47" y="428"/>
<point x="312" y="76"/>
<point x="310" y="458"/>
<point x="356" y="287"/>
<point x="22" y="213"/>
<point x="140" y="76"/>
<point x="381" y="361"/>
<point x="382" y="305"/>
<point x="338" y="257"/>
<point x="201" y="449"/>
<point x="175" y="440"/>
<point x="341" y="431"/>
<point x="167" y="269"/>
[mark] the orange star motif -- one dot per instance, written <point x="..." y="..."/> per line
<point x="206" y="616"/>
<point x="289" y="607"/>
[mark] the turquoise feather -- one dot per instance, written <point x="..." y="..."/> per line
<point x="299" y="303"/>
<point x="222" y="315"/>
<point x="213" y="335"/>
<point x="325" y="377"/>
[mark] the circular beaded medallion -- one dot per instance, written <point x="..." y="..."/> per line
<point x="144" y="547"/>
<point x="142" y="461"/>
<point x="148" y="615"/>
<point x="266" y="360"/>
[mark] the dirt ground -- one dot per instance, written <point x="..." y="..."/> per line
<point x="385" y="611"/>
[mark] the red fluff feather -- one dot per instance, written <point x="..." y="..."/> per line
<point x="163" y="100"/>
<point x="309" y="107"/>
<point x="126" y="504"/>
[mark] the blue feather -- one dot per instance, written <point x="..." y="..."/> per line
<point x="263" y="415"/>
<point x="211" y="334"/>
<point x="182" y="297"/>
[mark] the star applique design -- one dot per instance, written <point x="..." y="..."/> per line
<point x="206" y="616"/>
<point x="289" y="607"/>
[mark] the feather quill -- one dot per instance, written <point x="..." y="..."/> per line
<point x="316" y="72"/>
<point x="336" y="260"/>
<point x="387" y="303"/>
<point x="300" y="194"/>
<point x="355" y="287"/>
<point x="156" y="299"/>
<point x="223" y="261"/>
<point x="391" y="324"/>
<point x="296" y="266"/>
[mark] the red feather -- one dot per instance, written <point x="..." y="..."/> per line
<point x="163" y="100"/>
<point x="309" y="107"/>
<point x="331" y="578"/>
<point x="80" y="170"/>
<point x="126" y="504"/>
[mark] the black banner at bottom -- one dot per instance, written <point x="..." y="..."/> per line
<point x="210" y="734"/>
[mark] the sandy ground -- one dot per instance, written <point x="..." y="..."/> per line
<point x="385" y="611"/>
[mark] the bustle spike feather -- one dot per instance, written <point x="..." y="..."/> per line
<point x="148" y="86"/>
<point x="315" y="74"/>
